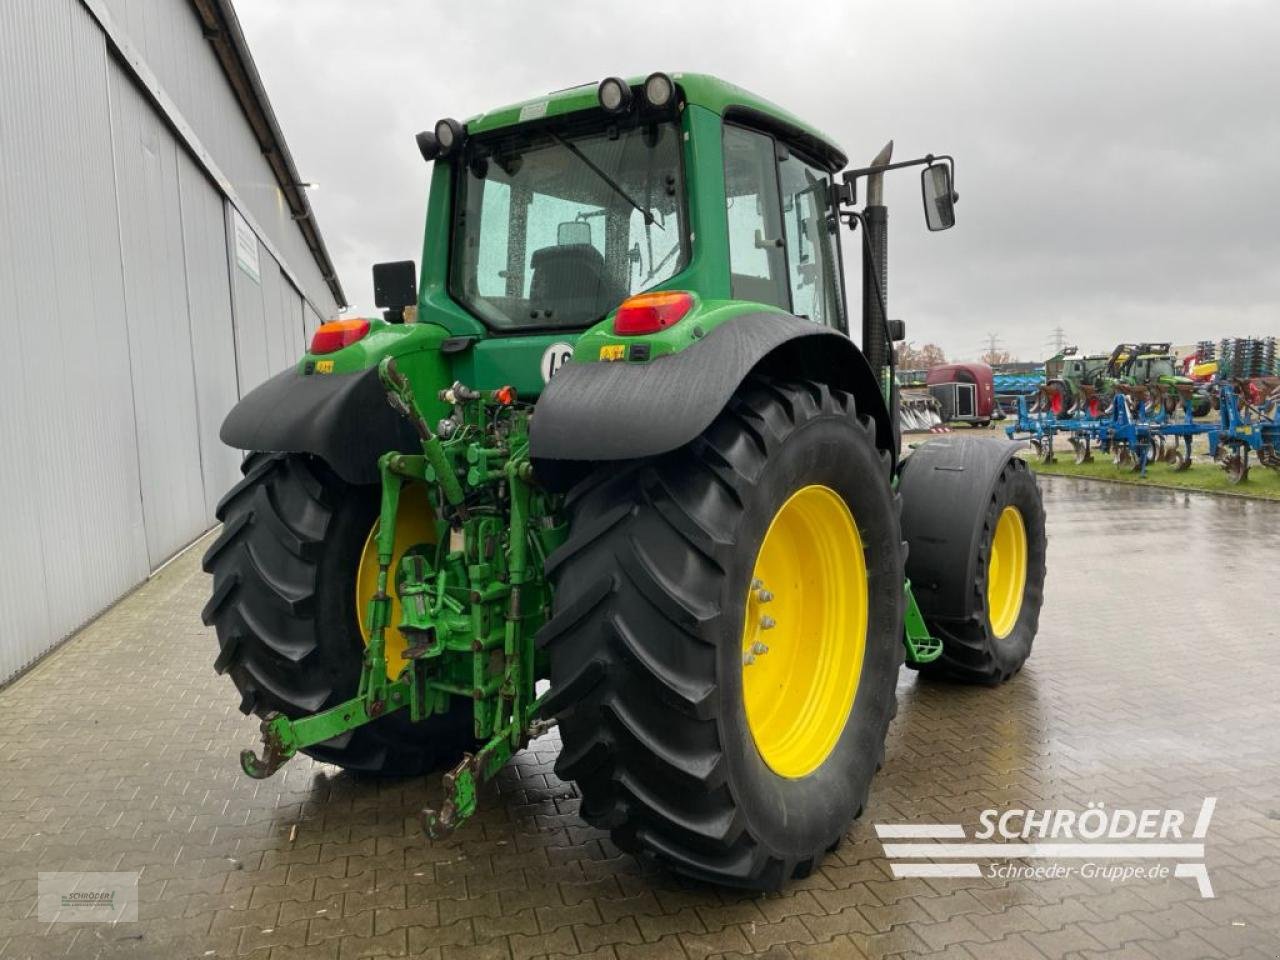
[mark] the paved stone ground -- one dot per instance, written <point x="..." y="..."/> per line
<point x="1154" y="684"/>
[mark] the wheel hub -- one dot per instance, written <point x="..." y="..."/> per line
<point x="1006" y="572"/>
<point x="415" y="526"/>
<point x="804" y="631"/>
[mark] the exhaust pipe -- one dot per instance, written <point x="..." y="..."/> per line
<point x="875" y="265"/>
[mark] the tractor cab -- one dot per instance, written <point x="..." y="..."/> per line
<point x="1057" y="365"/>
<point x="548" y="216"/>
<point x="1152" y="366"/>
<point x="1084" y="370"/>
<point x="1126" y="356"/>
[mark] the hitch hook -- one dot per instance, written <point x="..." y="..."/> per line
<point x="459" y="801"/>
<point x="274" y="751"/>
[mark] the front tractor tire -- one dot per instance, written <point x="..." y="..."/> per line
<point x="286" y="574"/>
<point x="975" y="523"/>
<point x="727" y="635"/>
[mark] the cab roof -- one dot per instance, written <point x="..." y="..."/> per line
<point x="698" y="89"/>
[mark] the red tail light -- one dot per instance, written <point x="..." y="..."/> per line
<point x="651" y="312"/>
<point x="338" y="334"/>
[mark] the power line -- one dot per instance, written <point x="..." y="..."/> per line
<point x="1057" y="339"/>
<point x="992" y="346"/>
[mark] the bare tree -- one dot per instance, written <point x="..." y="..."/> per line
<point x="932" y="355"/>
<point x="911" y="357"/>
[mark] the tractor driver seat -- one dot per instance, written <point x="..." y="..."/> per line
<point x="571" y="286"/>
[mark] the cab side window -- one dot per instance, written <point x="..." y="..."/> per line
<point x="813" y="259"/>
<point x="757" y="260"/>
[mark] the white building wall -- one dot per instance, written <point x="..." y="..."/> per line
<point x="213" y="345"/>
<point x="168" y="36"/>
<point x="130" y="328"/>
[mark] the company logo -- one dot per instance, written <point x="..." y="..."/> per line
<point x="87" y="897"/>
<point x="1095" y="843"/>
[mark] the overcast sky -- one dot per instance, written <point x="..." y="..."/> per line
<point x="1118" y="164"/>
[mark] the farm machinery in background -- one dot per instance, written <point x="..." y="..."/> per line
<point x="1071" y="384"/>
<point x="1247" y="398"/>
<point x="1138" y="428"/>
<point x="948" y="393"/>
<point x="1013" y="380"/>
<point x="965" y="392"/>
<point x="1251" y="362"/>
<point x="918" y="412"/>
<point x="1087" y="385"/>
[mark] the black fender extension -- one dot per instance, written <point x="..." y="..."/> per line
<point x="611" y="411"/>
<point x="946" y="484"/>
<point x="342" y="418"/>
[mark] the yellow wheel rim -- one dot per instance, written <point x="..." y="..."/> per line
<point x="1006" y="572"/>
<point x="415" y="525"/>
<point x="804" y="631"/>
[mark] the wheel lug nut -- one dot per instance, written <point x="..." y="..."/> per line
<point x="749" y="659"/>
<point x="767" y="623"/>
<point x="759" y="648"/>
<point x="757" y="584"/>
<point x="764" y="596"/>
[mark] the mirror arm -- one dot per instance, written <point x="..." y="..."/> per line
<point x="848" y="192"/>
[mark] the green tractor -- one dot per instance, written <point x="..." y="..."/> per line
<point x="1150" y="371"/>
<point x="615" y="464"/>
<point x="1071" y="385"/>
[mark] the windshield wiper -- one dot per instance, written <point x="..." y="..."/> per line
<point x="649" y="218"/>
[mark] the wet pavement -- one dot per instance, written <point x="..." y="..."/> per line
<point x="1154" y="685"/>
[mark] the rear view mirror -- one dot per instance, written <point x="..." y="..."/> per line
<point x="939" y="199"/>
<point x="573" y="232"/>
<point x="395" y="286"/>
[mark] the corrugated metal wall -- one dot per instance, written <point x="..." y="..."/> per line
<point x="167" y="34"/>
<point x="130" y="326"/>
<point x="213" y="346"/>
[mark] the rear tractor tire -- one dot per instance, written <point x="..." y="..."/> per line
<point x="287" y="569"/>
<point x="727" y="635"/>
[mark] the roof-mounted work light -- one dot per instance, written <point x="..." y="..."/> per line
<point x="427" y="145"/>
<point x="659" y="91"/>
<point x="614" y="94"/>
<point x="449" y="136"/>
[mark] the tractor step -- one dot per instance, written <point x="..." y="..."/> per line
<point x="922" y="647"/>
